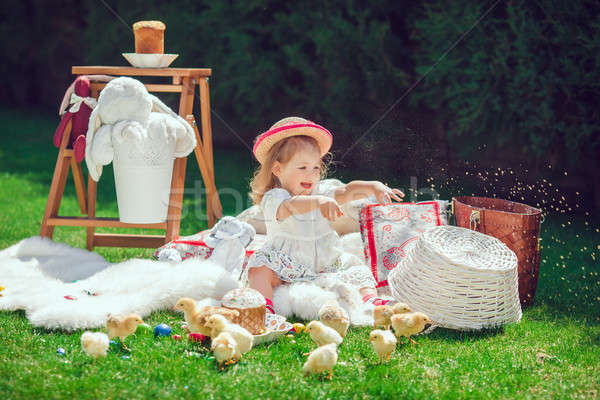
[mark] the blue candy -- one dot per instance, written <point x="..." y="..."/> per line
<point x="60" y="351"/>
<point x="162" y="330"/>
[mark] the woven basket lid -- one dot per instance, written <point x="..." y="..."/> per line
<point x="461" y="279"/>
<point x="470" y="249"/>
<point x="243" y="298"/>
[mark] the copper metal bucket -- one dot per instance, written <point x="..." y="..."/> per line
<point x="517" y="225"/>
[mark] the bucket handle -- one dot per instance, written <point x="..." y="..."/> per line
<point x="474" y="219"/>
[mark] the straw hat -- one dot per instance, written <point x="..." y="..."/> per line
<point x="288" y="127"/>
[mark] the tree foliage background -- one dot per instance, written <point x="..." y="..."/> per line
<point x="520" y="88"/>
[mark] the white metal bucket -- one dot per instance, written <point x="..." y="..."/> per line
<point x="143" y="192"/>
<point x="143" y="175"/>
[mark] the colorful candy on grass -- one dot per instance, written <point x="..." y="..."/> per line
<point x="162" y="330"/>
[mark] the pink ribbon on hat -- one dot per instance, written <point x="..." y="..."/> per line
<point x="285" y="127"/>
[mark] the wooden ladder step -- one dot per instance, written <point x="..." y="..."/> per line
<point x="124" y="240"/>
<point x="101" y="222"/>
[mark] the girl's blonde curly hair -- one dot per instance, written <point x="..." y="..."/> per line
<point x="264" y="179"/>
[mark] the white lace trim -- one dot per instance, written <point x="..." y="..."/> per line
<point x="296" y="237"/>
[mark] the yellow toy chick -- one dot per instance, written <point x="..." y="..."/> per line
<point x="225" y="348"/>
<point x="382" y="315"/>
<point x="122" y="326"/>
<point x="409" y="324"/>
<point x="218" y="323"/>
<point x="322" y="334"/>
<point x="384" y="343"/>
<point x="196" y="319"/>
<point x="94" y="344"/>
<point x="320" y="360"/>
<point x="401" y="308"/>
<point x="334" y="316"/>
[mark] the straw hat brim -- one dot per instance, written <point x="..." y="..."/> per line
<point x="267" y="139"/>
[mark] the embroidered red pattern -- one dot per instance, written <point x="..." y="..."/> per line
<point x="368" y="215"/>
<point x="398" y="214"/>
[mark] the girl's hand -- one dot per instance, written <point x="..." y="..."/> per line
<point x="384" y="194"/>
<point x="330" y="208"/>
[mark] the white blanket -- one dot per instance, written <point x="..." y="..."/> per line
<point x="38" y="275"/>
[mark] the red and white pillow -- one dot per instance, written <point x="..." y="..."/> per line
<point x="388" y="231"/>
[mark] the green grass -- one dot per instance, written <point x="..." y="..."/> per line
<point x="563" y="323"/>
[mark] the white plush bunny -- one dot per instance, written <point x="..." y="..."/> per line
<point x="229" y="238"/>
<point x="126" y="112"/>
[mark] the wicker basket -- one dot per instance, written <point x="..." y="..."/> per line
<point x="517" y="225"/>
<point x="252" y="308"/>
<point x="460" y="278"/>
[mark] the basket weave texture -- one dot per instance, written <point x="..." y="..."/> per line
<point x="253" y="319"/>
<point x="251" y="306"/>
<point x="461" y="279"/>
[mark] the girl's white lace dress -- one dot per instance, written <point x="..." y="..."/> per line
<point x="304" y="247"/>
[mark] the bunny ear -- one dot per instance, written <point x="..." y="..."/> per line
<point x="184" y="144"/>
<point x="95" y="123"/>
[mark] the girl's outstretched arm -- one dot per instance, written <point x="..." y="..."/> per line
<point x="355" y="190"/>
<point x="302" y="204"/>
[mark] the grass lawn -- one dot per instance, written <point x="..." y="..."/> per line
<point x="553" y="353"/>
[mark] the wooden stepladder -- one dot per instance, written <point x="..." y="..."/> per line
<point x="184" y="81"/>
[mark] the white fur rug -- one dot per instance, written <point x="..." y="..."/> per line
<point x="39" y="273"/>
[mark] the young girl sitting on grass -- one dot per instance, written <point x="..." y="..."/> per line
<point x="300" y="243"/>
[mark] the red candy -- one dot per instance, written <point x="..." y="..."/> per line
<point x="176" y="337"/>
<point x="196" y="337"/>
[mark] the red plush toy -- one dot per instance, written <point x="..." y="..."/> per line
<point x="79" y="113"/>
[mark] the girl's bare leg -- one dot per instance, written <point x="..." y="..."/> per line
<point x="264" y="280"/>
<point x="368" y="291"/>
<point x="370" y="294"/>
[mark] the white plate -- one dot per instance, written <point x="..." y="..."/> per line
<point x="150" y="60"/>
<point x="276" y="326"/>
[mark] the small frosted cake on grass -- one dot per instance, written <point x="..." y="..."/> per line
<point x="149" y="37"/>
<point x="250" y="305"/>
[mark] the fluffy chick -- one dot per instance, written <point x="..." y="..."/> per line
<point x="384" y="343"/>
<point x="334" y="316"/>
<point x="218" y="323"/>
<point x="401" y="308"/>
<point x="382" y="315"/>
<point x="322" y="359"/>
<point x="188" y="306"/>
<point x="322" y="334"/>
<point x="409" y="324"/>
<point x="196" y="319"/>
<point x="94" y="344"/>
<point x="225" y="348"/>
<point x="122" y="326"/>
